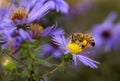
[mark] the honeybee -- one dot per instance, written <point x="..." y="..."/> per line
<point x="80" y="37"/>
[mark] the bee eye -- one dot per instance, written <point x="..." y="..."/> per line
<point x="93" y="43"/>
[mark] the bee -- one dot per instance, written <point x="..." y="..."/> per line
<point x="80" y="37"/>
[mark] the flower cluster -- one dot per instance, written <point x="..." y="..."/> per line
<point x="18" y="21"/>
<point x="23" y="38"/>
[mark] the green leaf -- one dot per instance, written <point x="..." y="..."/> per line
<point x="43" y="62"/>
<point x="24" y="73"/>
<point x="29" y="66"/>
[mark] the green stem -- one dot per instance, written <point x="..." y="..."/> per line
<point x="15" y="59"/>
<point x="51" y="72"/>
<point x="32" y="71"/>
<point x="57" y="68"/>
<point x="12" y="56"/>
<point x="65" y="59"/>
<point x="32" y="65"/>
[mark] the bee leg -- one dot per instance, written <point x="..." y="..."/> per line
<point x="83" y="46"/>
<point x="72" y="38"/>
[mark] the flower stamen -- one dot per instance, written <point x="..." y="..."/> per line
<point x="18" y="14"/>
<point x="74" y="48"/>
<point x="36" y="30"/>
<point x="37" y="27"/>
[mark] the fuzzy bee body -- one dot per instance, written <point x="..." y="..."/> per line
<point x="80" y="37"/>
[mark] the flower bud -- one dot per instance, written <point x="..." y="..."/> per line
<point x="7" y="63"/>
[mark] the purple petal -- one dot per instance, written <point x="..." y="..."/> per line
<point x="60" y="41"/>
<point x="52" y="30"/>
<point x="87" y="61"/>
<point x="75" y="59"/>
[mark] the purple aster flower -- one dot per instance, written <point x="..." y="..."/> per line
<point x="52" y="30"/>
<point x="37" y="31"/>
<point x="15" y="39"/>
<point x="21" y="16"/>
<point x="106" y="33"/>
<point x="3" y="12"/>
<point x="75" y="49"/>
<point x="51" y="49"/>
<point x="59" y="5"/>
<point x="82" y="7"/>
<point x="16" y="23"/>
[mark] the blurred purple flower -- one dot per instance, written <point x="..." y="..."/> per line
<point x="59" y="5"/>
<point x="26" y="13"/>
<point x="63" y="43"/>
<point x="106" y="33"/>
<point x="16" y="23"/>
<point x="38" y="31"/>
<point x="82" y="7"/>
<point x="51" y="49"/>
<point x="14" y="39"/>
<point x="52" y="30"/>
<point x="3" y="12"/>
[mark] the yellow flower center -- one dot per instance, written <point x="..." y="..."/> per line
<point x="37" y="27"/>
<point x="74" y="48"/>
<point x="18" y="14"/>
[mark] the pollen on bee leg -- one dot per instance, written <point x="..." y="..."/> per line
<point x="74" y="48"/>
<point x="85" y="44"/>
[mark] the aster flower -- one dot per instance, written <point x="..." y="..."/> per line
<point x="59" y="5"/>
<point x="21" y="16"/>
<point x="74" y="49"/>
<point x="17" y="22"/>
<point x="106" y="33"/>
<point x="48" y="5"/>
<point x="15" y="39"/>
<point x="3" y="12"/>
<point x="82" y="7"/>
<point x="38" y="31"/>
<point x="52" y="30"/>
<point x="51" y="49"/>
